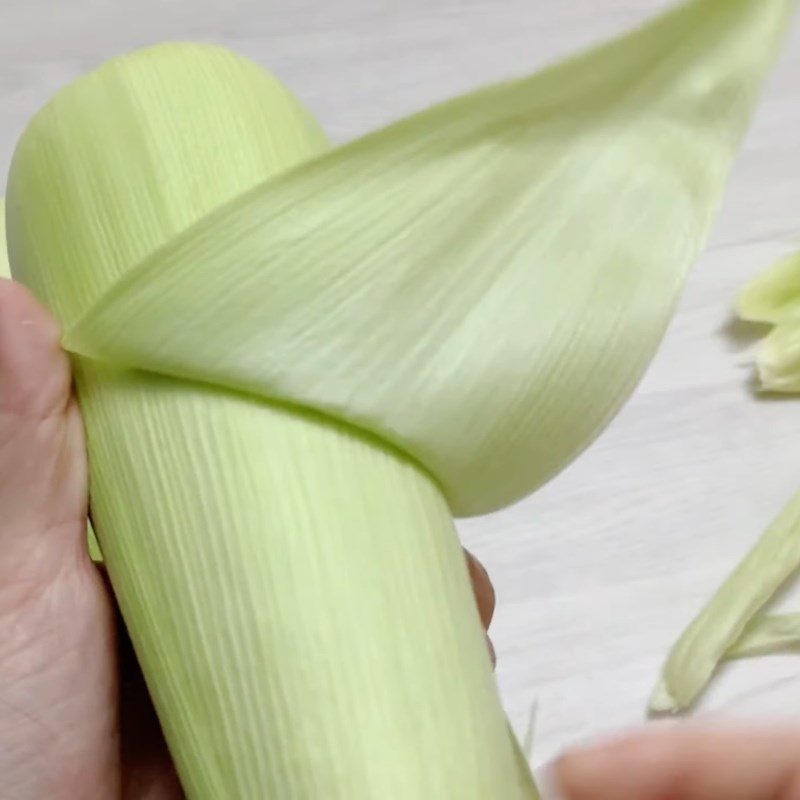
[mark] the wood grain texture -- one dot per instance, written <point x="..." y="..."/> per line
<point x="600" y="570"/>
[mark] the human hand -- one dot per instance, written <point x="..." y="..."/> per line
<point x="76" y="721"/>
<point x="684" y="763"/>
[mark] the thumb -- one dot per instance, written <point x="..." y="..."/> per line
<point x="685" y="763"/>
<point x="42" y="461"/>
<point x="58" y="685"/>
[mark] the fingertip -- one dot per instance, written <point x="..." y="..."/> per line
<point x="34" y="371"/>
<point x="688" y="762"/>
<point x="21" y="312"/>
<point x="639" y="766"/>
<point x="549" y="784"/>
<point x="576" y="775"/>
<point x="483" y="588"/>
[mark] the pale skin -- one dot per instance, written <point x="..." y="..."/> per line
<point x="76" y="722"/>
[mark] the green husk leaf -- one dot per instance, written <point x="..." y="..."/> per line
<point x="778" y="359"/>
<point x="483" y="284"/>
<point x="95" y="553"/>
<point x="774" y="296"/>
<point x="728" y="628"/>
<point x="717" y="630"/>
<point x="767" y="635"/>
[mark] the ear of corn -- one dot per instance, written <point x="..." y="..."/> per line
<point x="294" y="588"/>
<point x="294" y="364"/>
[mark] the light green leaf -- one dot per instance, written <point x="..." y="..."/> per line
<point x="95" y="553"/>
<point x="696" y="655"/>
<point x="767" y="635"/>
<point x="773" y="297"/>
<point x="727" y="627"/>
<point x="483" y="284"/>
<point x="779" y="358"/>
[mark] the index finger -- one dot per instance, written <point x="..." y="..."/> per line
<point x="686" y="763"/>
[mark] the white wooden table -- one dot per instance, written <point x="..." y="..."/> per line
<point x="599" y="571"/>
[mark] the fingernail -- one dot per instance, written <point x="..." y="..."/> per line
<point x="492" y="652"/>
<point x="584" y="766"/>
<point x="548" y="784"/>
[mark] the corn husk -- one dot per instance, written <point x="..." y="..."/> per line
<point x="724" y="621"/>
<point x="481" y="285"/>
<point x="732" y="624"/>
<point x="768" y="635"/>
<point x="774" y="299"/>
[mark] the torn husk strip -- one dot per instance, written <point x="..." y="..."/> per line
<point x="767" y="635"/>
<point x="729" y="627"/>
<point x="778" y="359"/>
<point x="295" y="363"/>
<point x="774" y="299"/>
<point x="695" y="657"/>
